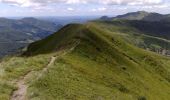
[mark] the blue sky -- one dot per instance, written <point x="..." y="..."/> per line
<point x="80" y="7"/>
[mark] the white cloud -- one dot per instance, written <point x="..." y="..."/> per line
<point x="22" y="3"/>
<point x="27" y="3"/>
<point x="70" y="9"/>
<point x="102" y="9"/>
<point x="75" y="1"/>
<point x="99" y="9"/>
<point x="128" y="2"/>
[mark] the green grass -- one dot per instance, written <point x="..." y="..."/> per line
<point x="13" y="68"/>
<point x="100" y="68"/>
<point x="104" y="65"/>
<point x="130" y="34"/>
<point x="55" y="41"/>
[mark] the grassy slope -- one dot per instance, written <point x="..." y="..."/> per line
<point x="135" y="36"/>
<point x="13" y="68"/>
<point x="62" y="39"/>
<point x="103" y="66"/>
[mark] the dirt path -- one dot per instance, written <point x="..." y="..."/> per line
<point x="20" y="93"/>
<point x="46" y="68"/>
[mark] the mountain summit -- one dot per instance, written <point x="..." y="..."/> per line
<point x="141" y="15"/>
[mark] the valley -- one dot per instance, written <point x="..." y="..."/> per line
<point x="18" y="33"/>
<point x="8" y="48"/>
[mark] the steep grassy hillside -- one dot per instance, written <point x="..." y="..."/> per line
<point x="92" y="63"/>
<point x="65" y="37"/>
<point x="147" y="35"/>
<point x="157" y="29"/>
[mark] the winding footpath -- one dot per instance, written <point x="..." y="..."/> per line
<point x="20" y="93"/>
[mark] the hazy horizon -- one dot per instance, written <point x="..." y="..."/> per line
<point x="22" y="8"/>
<point x="81" y="16"/>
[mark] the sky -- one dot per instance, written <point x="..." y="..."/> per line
<point x="14" y="8"/>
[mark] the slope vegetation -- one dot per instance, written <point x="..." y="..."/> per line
<point x="102" y="66"/>
<point x="148" y="35"/>
<point x="98" y="63"/>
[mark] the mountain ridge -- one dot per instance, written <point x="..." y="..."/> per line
<point x="100" y="54"/>
<point x="140" y="15"/>
<point x="106" y="60"/>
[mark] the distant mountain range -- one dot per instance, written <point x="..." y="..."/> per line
<point x="25" y="29"/>
<point x="140" y="15"/>
<point x="69" y="19"/>
<point x="153" y="24"/>
<point x="17" y="33"/>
